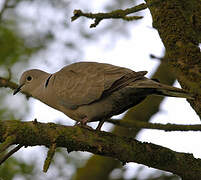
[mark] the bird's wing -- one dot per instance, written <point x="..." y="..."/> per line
<point x="85" y="82"/>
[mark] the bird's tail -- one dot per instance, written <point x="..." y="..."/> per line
<point x="174" y="92"/>
<point x="163" y="89"/>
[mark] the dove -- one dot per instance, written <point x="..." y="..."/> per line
<point x="91" y="91"/>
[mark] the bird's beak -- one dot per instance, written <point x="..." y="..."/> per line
<point x="18" y="89"/>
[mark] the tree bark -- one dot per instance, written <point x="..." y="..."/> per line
<point x="102" y="143"/>
<point x="179" y="24"/>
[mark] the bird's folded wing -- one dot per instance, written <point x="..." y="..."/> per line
<point x="84" y="83"/>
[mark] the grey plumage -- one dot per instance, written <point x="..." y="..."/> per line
<point x="90" y="91"/>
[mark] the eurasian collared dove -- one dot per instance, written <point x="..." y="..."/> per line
<point x="90" y="91"/>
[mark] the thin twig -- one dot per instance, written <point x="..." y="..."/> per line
<point x="4" y="7"/>
<point x="116" y="14"/>
<point x="49" y="157"/>
<point x="5" y="82"/>
<point x="165" y="127"/>
<point x="10" y="153"/>
<point x="9" y="74"/>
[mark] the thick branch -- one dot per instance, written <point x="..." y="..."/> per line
<point x="102" y="143"/>
<point x="176" y="26"/>
<point x="116" y="14"/>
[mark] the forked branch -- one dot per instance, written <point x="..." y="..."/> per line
<point x="116" y="14"/>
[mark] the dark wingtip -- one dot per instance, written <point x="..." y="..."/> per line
<point x="154" y="79"/>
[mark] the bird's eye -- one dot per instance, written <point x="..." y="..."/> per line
<point x="29" y="78"/>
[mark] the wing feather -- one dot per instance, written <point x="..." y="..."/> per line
<point x="85" y="82"/>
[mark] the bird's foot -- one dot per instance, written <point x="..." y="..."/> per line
<point x="83" y="123"/>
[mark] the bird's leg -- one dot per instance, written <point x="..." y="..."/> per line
<point x="100" y="125"/>
<point x="76" y="123"/>
<point x="83" y="123"/>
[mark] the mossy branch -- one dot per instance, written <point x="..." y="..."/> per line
<point x="166" y="127"/>
<point x="102" y="143"/>
<point x="116" y="14"/>
<point x="7" y="143"/>
<point x="50" y="155"/>
<point x="179" y="32"/>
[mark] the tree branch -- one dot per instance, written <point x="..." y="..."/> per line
<point x="6" y="82"/>
<point x="147" y="125"/>
<point x="102" y="143"/>
<point x="49" y="157"/>
<point x="119" y="13"/>
<point x="174" y="20"/>
<point x="10" y="153"/>
<point x="4" y="6"/>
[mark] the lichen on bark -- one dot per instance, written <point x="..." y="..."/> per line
<point x="173" y="20"/>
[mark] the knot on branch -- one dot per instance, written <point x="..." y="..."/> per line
<point x="77" y="13"/>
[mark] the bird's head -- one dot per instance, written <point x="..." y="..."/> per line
<point x="30" y="81"/>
